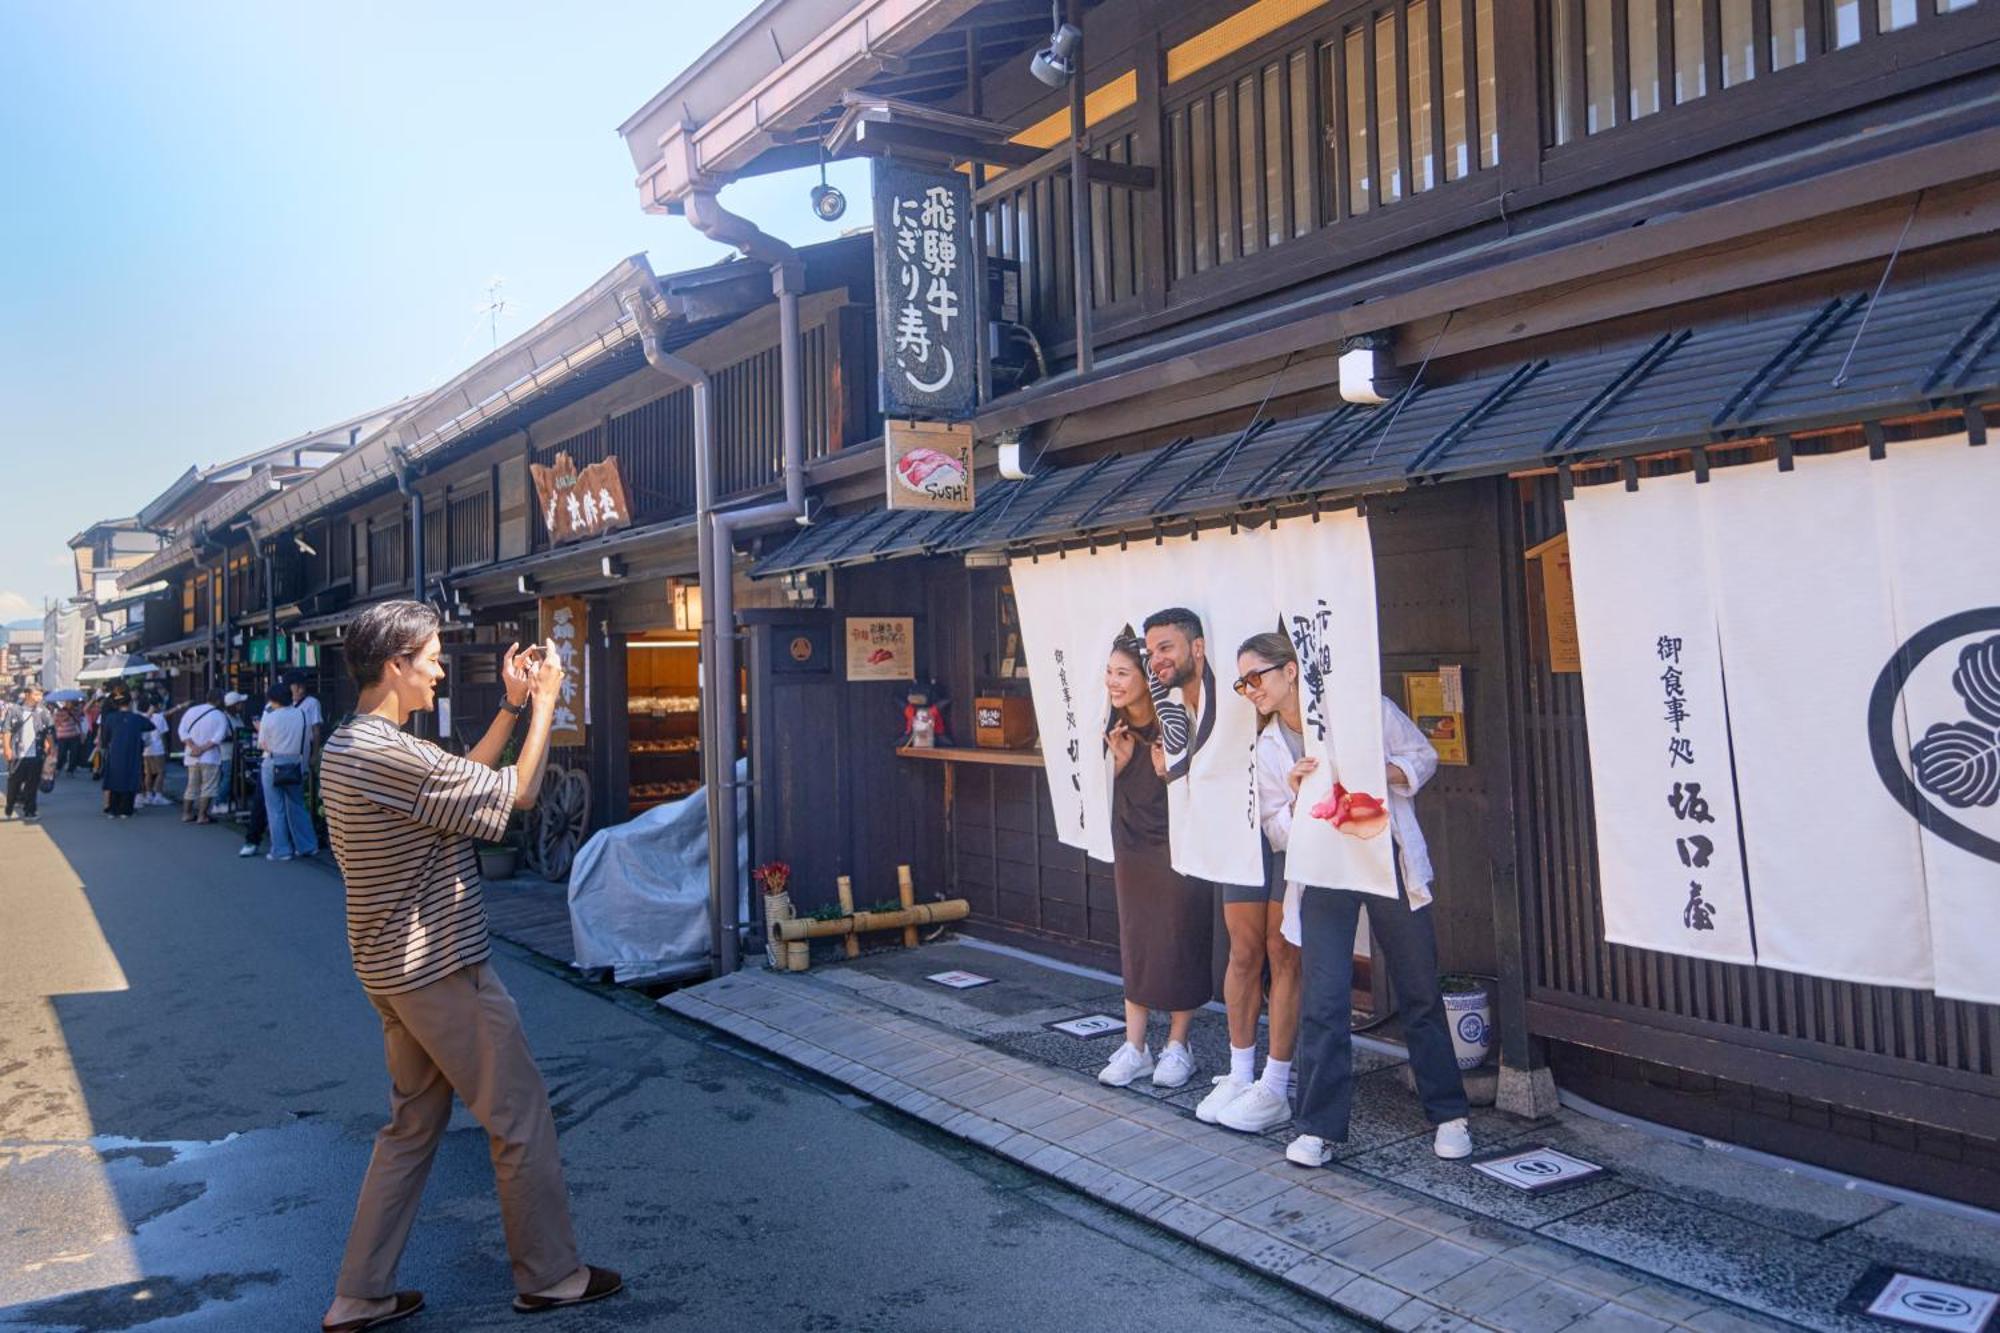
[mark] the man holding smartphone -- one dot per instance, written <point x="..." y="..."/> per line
<point x="404" y="815"/>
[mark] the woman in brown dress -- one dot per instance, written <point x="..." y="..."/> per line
<point x="1165" y="920"/>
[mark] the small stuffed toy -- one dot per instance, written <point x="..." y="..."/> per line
<point x="924" y="723"/>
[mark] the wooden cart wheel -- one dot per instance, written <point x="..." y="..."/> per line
<point x="562" y="820"/>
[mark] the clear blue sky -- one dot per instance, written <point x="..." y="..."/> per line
<point x="225" y="224"/>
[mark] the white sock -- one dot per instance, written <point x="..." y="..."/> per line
<point x="1278" y="1076"/>
<point x="1243" y="1063"/>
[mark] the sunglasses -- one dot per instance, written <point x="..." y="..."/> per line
<point x="1250" y="678"/>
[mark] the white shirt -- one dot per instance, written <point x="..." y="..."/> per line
<point x="1404" y="745"/>
<point x="156" y="739"/>
<point x="204" y="725"/>
<point x="282" y="733"/>
<point x="309" y="709"/>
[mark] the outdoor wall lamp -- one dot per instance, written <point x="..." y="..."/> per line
<point x="828" y="203"/>
<point x="1055" y="63"/>
<point x="1368" y="370"/>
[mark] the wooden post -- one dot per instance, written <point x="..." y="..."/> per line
<point x="845" y="887"/>
<point x="906" y="891"/>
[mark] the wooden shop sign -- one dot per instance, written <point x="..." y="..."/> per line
<point x="930" y="464"/>
<point x="580" y="502"/>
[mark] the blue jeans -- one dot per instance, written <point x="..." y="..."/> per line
<point x="291" y="826"/>
<point x="1327" y="918"/>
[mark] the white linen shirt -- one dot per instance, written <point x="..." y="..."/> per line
<point x="1405" y="746"/>
<point x="207" y="725"/>
<point x="156" y="739"/>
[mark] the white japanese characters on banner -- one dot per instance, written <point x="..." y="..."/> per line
<point x="1667" y="849"/>
<point x="564" y="622"/>
<point x="1178" y="612"/>
<point x="924" y="291"/>
<point x="1855" y="606"/>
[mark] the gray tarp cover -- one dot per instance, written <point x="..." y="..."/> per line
<point x="638" y="892"/>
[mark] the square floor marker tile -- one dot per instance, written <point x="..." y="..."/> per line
<point x="1914" y="1301"/>
<point x="959" y="980"/>
<point x="1537" y="1169"/>
<point x="1090" y="1025"/>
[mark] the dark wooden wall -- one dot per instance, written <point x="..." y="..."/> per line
<point x="830" y="796"/>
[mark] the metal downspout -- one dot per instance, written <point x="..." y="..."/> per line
<point x="271" y="608"/>
<point x="718" y="599"/>
<point x="639" y="304"/>
<point x="406" y="482"/>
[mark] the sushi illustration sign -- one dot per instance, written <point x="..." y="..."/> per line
<point x="924" y="291"/>
<point x="881" y="648"/>
<point x="930" y="464"/>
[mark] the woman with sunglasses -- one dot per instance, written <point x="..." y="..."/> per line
<point x="1268" y="676"/>
<point x="1323" y="923"/>
<point x="1165" y="920"/>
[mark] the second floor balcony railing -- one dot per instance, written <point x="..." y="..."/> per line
<point x="1358" y="129"/>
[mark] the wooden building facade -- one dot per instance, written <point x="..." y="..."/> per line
<point x="1598" y="240"/>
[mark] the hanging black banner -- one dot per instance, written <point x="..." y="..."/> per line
<point x="924" y="292"/>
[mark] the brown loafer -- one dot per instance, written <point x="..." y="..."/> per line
<point x="603" y="1282"/>
<point x="407" y="1304"/>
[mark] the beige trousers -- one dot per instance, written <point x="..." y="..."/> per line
<point x="461" y="1034"/>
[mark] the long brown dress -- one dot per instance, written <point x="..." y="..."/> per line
<point x="1166" y="921"/>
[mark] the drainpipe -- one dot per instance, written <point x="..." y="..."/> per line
<point x="406" y="482"/>
<point x="271" y="607"/>
<point x="638" y="303"/>
<point x="718" y="600"/>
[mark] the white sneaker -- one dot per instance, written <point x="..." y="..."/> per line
<point x="247" y="849"/>
<point x="1127" y="1064"/>
<point x="1228" y="1088"/>
<point x="1257" y="1110"/>
<point x="1308" y="1150"/>
<point x="1454" y="1139"/>
<point x="1176" y="1067"/>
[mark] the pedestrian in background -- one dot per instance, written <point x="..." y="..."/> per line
<point x="121" y="738"/>
<point x="153" y="759"/>
<point x="25" y="739"/>
<point x="226" y="780"/>
<point x="69" y="739"/>
<point x="281" y="735"/>
<point x="260" y="819"/>
<point x="404" y="815"/>
<point x="204" y="731"/>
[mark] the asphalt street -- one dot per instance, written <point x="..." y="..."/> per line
<point x="190" y="1078"/>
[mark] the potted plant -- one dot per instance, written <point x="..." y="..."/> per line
<point x="1468" y="1010"/>
<point x="774" y="878"/>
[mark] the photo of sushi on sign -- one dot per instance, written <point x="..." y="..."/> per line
<point x="930" y="464"/>
<point x="881" y="648"/>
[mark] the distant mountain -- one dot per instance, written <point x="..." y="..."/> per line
<point x="34" y="623"/>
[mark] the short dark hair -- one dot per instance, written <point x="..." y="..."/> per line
<point x="383" y="631"/>
<point x="1182" y="619"/>
<point x="278" y="694"/>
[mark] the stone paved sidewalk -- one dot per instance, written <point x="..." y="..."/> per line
<point x="1676" y="1237"/>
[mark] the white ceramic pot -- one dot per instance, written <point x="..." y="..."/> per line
<point x="1470" y="1016"/>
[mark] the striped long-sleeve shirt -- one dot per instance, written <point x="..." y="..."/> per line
<point x="403" y="814"/>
